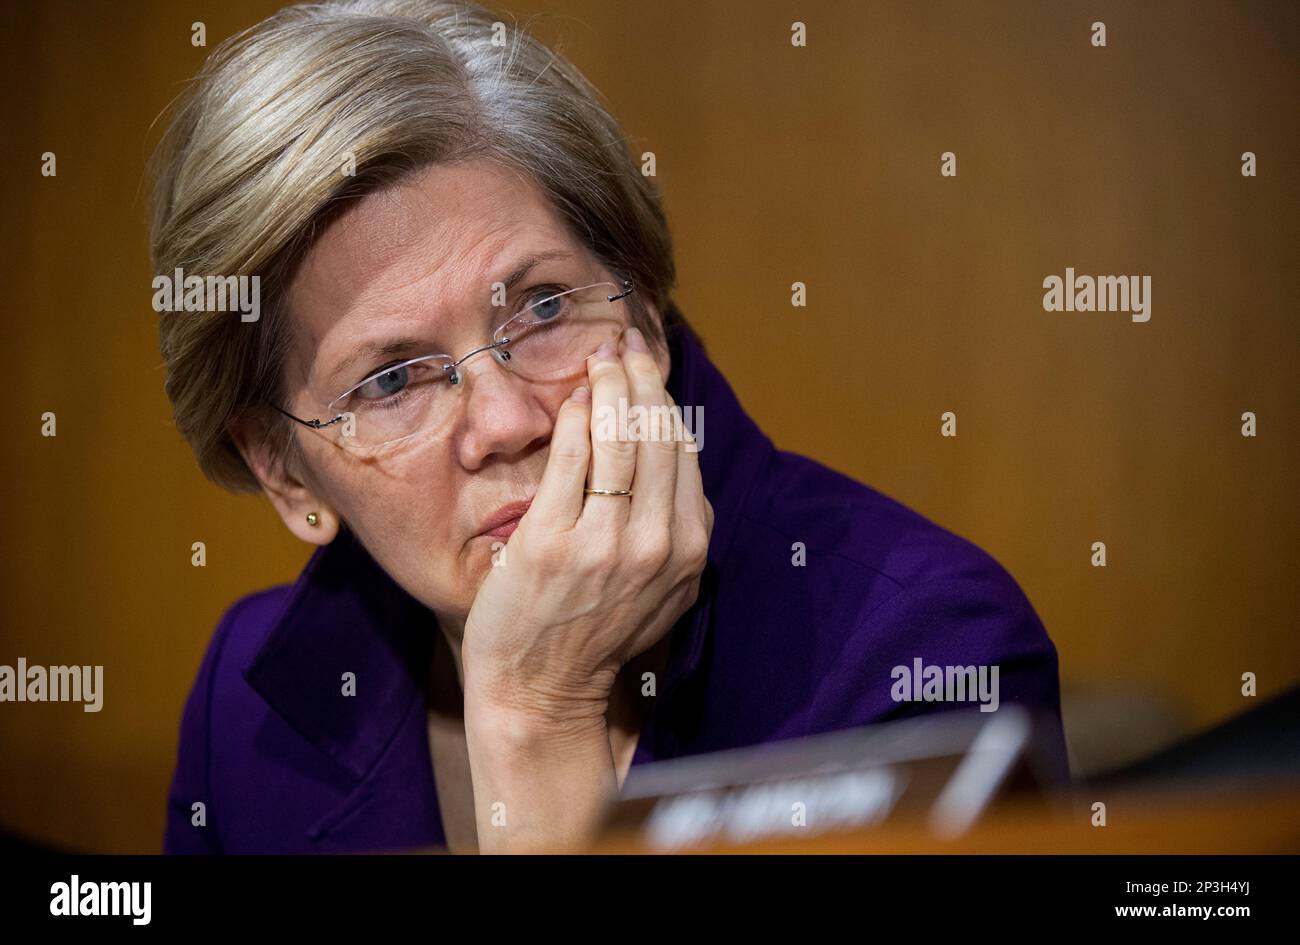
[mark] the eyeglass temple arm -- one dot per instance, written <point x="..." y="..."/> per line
<point x="314" y="424"/>
<point x="627" y="290"/>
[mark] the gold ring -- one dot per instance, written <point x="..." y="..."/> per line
<point x="607" y="491"/>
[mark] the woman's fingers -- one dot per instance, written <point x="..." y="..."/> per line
<point x="691" y="506"/>
<point x="559" y="495"/>
<point x="652" y="424"/>
<point x="613" y="460"/>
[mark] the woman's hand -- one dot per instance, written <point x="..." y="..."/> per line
<point x="591" y="581"/>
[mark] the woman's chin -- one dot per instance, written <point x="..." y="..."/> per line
<point x="482" y="554"/>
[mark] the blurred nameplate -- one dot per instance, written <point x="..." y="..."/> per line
<point x="944" y="768"/>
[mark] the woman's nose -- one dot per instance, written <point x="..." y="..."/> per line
<point x="503" y="414"/>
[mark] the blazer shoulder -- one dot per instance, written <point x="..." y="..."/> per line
<point x="859" y="584"/>
<point x="897" y="579"/>
<point x="865" y="528"/>
<point x="240" y="632"/>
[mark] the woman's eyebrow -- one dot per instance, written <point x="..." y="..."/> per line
<point x="375" y="350"/>
<point x="407" y="345"/>
<point x="526" y="264"/>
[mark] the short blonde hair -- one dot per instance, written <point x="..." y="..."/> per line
<point x="250" y="168"/>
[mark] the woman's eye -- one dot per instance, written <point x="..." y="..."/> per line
<point x="385" y="385"/>
<point x="547" y="304"/>
<point x="401" y="379"/>
<point x="392" y="386"/>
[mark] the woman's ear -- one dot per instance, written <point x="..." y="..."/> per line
<point x="304" y="513"/>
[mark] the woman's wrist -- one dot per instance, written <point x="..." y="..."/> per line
<point x="534" y="704"/>
<point x="541" y="778"/>
<point x="534" y="725"/>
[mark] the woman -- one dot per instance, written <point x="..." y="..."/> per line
<point x="465" y="284"/>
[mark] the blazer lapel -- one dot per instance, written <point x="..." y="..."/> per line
<point x="345" y="666"/>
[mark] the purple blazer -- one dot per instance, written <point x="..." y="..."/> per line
<point x="283" y="763"/>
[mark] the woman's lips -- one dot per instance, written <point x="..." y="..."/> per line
<point x="503" y="531"/>
<point x="503" y="522"/>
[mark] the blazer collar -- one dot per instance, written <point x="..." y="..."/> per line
<point x="344" y="614"/>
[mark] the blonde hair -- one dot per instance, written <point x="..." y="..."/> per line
<point x="250" y="168"/>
